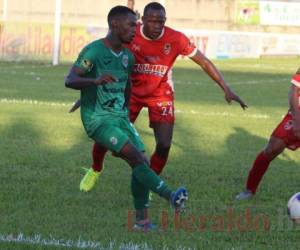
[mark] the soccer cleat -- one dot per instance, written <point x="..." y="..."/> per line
<point x="144" y="227"/>
<point x="178" y="199"/>
<point x="89" y="180"/>
<point x="245" y="195"/>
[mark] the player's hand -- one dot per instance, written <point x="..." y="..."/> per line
<point x="104" y="79"/>
<point x="231" y="96"/>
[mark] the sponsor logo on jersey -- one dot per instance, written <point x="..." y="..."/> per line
<point x="167" y="49"/>
<point x="125" y="61"/>
<point x="146" y="68"/>
<point x="113" y="140"/>
<point x="135" y="47"/>
<point x="164" y="104"/>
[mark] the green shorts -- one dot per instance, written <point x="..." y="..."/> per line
<point x="114" y="133"/>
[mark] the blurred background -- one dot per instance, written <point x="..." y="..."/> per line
<point x="56" y="30"/>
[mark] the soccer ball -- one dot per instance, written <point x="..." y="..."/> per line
<point x="294" y="208"/>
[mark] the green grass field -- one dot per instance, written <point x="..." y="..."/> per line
<point x="43" y="149"/>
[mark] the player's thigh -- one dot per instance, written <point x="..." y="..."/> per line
<point x="135" y="108"/>
<point x="284" y="132"/>
<point x="111" y="136"/>
<point x="132" y="154"/>
<point x="275" y="146"/>
<point x="163" y="132"/>
<point x="132" y="134"/>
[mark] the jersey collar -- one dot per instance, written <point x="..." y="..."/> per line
<point x="147" y="38"/>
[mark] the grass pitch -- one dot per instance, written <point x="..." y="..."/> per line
<point x="43" y="148"/>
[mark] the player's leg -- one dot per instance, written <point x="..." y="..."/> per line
<point x="281" y="138"/>
<point x="148" y="178"/>
<point x="274" y="147"/>
<point x="132" y="153"/>
<point x="161" y="116"/>
<point x="260" y="165"/>
<point x="163" y="133"/>
<point x="92" y="175"/>
<point x="135" y="107"/>
<point x="99" y="152"/>
<point x="140" y="199"/>
<point x="124" y="140"/>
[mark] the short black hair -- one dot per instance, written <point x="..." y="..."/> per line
<point x="153" y="6"/>
<point x="118" y="11"/>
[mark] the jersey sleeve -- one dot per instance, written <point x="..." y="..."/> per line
<point x="296" y="78"/>
<point x="86" y="59"/>
<point x="186" y="47"/>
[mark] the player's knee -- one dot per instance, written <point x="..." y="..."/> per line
<point x="136" y="159"/>
<point x="163" y="148"/>
<point x="271" y="151"/>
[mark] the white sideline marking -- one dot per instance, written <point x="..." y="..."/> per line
<point x="236" y="81"/>
<point x="39" y="240"/>
<point x="177" y="111"/>
<point x="34" y="102"/>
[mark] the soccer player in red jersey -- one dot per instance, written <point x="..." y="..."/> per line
<point x="156" y="48"/>
<point x="285" y="135"/>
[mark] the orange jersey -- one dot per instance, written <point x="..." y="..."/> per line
<point x="154" y="59"/>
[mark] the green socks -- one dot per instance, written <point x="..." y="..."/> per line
<point x="150" y="180"/>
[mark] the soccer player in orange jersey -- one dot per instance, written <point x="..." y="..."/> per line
<point x="156" y="48"/>
<point x="285" y="135"/>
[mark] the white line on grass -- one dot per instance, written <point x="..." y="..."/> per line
<point x="39" y="240"/>
<point x="34" y="102"/>
<point x="177" y="111"/>
<point x="236" y="81"/>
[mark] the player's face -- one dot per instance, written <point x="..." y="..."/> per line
<point x="154" y="22"/>
<point x="126" y="28"/>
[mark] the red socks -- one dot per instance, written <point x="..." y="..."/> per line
<point x="98" y="157"/>
<point x="257" y="171"/>
<point x="157" y="163"/>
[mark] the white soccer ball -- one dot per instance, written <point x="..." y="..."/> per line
<point x="294" y="208"/>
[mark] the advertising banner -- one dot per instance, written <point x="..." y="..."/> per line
<point x="34" y="41"/>
<point x="279" y="13"/>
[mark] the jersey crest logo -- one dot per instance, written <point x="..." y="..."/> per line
<point x="167" y="49"/>
<point x="113" y="140"/>
<point x="125" y="61"/>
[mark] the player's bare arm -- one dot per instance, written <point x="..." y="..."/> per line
<point x="294" y="105"/>
<point x="216" y="75"/>
<point x="127" y="93"/>
<point x="76" y="80"/>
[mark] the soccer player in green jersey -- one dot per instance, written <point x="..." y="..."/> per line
<point x="102" y="74"/>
